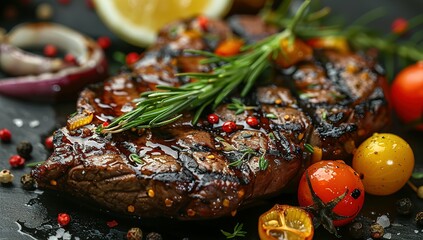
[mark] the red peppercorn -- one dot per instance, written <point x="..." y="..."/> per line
<point x="49" y="143"/>
<point x="64" y="2"/>
<point x="5" y="135"/>
<point x="213" y="118"/>
<point x="104" y="42"/>
<point x="90" y="4"/>
<point x="50" y="50"/>
<point x="229" y="127"/>
<point x="131" y="58"/>
<point x="399" y="26"/>
<point x="70" y="58"/>
<point x="63" y="219"/>
<point x="252" y="121"/>
<point x="112" y="223"/>
<point x="16" y="161"/>
<point x="203" y="22"/>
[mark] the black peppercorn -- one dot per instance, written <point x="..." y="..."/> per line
<point x="376" y="231"/>
<point x="154" y="236"/>
<point x="404" y="206"/>
<point x="134" y="234"/>
<point x="24" y="149"/>
<point x="28" y="182"/>
<point x="360" y="228"/>
<point x="419" y="219"/>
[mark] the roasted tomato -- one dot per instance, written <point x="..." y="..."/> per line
<point x="285" y="222"/>
<point x="332" y="191"/>
<point x="407" y="94"/>
<point x="385" y="162"/>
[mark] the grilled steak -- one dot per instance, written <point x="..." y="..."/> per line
<point x="332" y="101"/>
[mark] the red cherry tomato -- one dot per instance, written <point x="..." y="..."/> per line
<point x="132" y="58"/>
<point x="407" y="94"/>
<point x="332" y="181"/>
<point x="252" y="121"/>
<point x="50" y="50"/>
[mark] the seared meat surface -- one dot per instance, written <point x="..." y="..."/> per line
<point x="199" y="171"/>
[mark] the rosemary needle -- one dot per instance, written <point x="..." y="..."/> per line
<point x="157" y="108"/>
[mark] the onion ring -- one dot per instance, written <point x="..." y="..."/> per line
<point x="52" y="83"/>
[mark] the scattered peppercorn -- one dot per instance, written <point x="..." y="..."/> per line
<point x="203" y="22"/>
<point x="104" y="42"/>
<point x="399" y="26"/>
<point x="63" y="219"/>
<point x="252" y="121"/>
<point x="131" y="58"/>
<point x="28" y="182"/>
<point x="357" y="230"/>
<point x="229" y="127"/>
<point x="360" y="227"/>
<point x="134" y="234"/>
<point x="90" y="4"/>
<point x="44" y="11"/>
<point x="6" y="177"/>
<point x="5" y="135"/>
<point x="49" y="143"/>
<point x="404" y="206"/>
<point x="24" y="149"/>
<point x="64" y="2"/>
<point x="112" y="224"/>
<point x="154" y="236"/>
<point x="16" y="161"/>
<point x="376" y="231"/>
<point x="419" y="219"/>
<point x="50" y="50"/>
<point x="212" y="118"/>
<point x="70" y="58"/>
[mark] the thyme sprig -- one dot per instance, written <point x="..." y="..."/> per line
<point x="238" y="106"/>
<point x="165" y="105"/>
<point x="238" y="232"/>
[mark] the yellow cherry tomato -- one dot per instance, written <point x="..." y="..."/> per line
<point x="385" y="162"/>
<point x="285" y="222"/>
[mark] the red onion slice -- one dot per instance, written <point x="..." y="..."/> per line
<point x="56" y="84"/>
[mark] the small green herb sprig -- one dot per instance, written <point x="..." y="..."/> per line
<point x="238" y="106"/>
<point x="238" y="232"/>
<point x="161" y="107"/>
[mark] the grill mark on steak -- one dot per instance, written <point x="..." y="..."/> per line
<point x="186" y="170"/>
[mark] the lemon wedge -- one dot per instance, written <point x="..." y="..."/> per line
<point x="138" y="21"/>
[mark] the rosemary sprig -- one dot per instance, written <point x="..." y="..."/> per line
<point x="238" y="232"/>
<point x="161" y="107"/>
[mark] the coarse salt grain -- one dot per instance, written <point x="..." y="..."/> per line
<point x="60" y="232"/>
<point x="383" y="221"/>
<point x="34" y="123"/>
<point x="18" y="122"/>
<point x="387" y="235"/>
<point x="67" y="236"/>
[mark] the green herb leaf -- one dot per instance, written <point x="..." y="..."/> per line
<point x="263" y="163"/>
<point x="417" y="175"/>
<point x="135" y="158"/>
<point x="309" y="148"/>
<point x="237" y="232"/>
